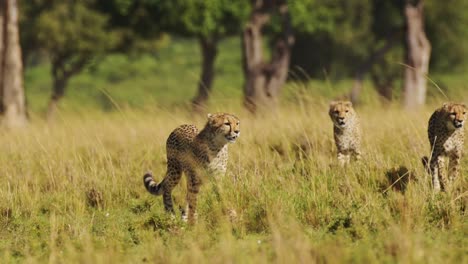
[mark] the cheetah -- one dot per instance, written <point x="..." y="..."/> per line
<point x="195" y="154"/>
<point x="446" y="137"/>
<point x="346" y="131"/>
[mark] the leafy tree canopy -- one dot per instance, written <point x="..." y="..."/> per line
<point x="203" y="17"/>
<point x="66" y="29"/>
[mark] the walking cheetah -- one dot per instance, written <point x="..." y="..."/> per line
<point x="346" y="131"/>
<point x="446" y="136"/>
<point x="195" y="154"/>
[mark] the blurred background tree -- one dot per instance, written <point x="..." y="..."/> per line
<point x="13" y="104"/>
<point x="263" y="80"/>
<point x="137" y="24"/>
<point x="209" y="21"/>
<point x="333" y="39"/>
<point x="418" y="54"/>
<point x="368" y="37"/>
<point x="278" y="22"/>
<point x="72" y="34"/>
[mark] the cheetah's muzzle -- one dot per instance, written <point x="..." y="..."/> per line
<point x="231" y="139"/>
<point x="458" y="124"/>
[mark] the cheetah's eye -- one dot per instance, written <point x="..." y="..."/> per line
<point x="452" y="114"/>
<point x="227" y="124"/>
<point x="346" y="111"/>
<point x="336" y="112"/>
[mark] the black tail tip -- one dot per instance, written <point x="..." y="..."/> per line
<point x="148" y="176"/>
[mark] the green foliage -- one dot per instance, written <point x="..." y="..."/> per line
<point x="206" y="18"/>
<point x="138" y="24"/>
<point x="166" y="79"/>
<point x="446" y="28"/>
<point x="312" y="16"/>
<point x="73" y="29"/>
<point x="345" y="39"/>
<point x="359" y="27"/>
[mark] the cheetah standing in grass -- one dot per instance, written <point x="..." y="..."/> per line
<point x="446" y="137"/>
<point x="195" y="154"/>
<point x="346" y="130"/>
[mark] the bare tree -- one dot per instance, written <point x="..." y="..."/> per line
<point x="11" y="67"/>
<point x="263" y="80"/>
<point x="418" y="52"/>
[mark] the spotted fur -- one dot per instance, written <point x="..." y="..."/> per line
<point x="346" y="131"/>
<point x="195" y="154"/>
<point x="446" y="136"/>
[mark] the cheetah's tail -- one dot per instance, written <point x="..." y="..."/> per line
<point x="425" y="162"/>
<point x="152" y="186"/>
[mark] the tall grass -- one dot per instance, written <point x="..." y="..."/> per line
<point x="73" y="192"/>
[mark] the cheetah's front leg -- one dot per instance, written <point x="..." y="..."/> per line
<point x="343" y="159"/>
<point x="454" y="166"/>
<point x="357" y="155"/>
<point x="437" y="171"/>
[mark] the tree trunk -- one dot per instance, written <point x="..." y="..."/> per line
<point x="384" y="86"/>
<point x="263" y="81"/>
<point x="3" y="17"/>
<point x="61" y="73"/>
<point x="57" y="94"/>
<point x="418" y="52"/>
<point x="11" y="76"/>
<point x="209" y="50"/>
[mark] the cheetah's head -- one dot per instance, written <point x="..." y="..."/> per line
<point x="456" y="115"/>
<point x="226" y="126"/>
<point x="340" y="112"/>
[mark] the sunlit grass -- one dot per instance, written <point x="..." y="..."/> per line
<point x="72" y="191"/>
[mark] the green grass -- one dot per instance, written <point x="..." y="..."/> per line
<point x="72" y="191"/>
<point x="289" y="207"/>
<point x="162" y="80"/>
<point x="169" y="78"/>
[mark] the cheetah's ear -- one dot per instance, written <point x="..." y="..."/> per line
<point x="333" y="103"/>
<point x="445" y="105"/>
<point x="211" y="119"/>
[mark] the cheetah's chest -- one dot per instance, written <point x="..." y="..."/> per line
<point x="452" y="143"/>
<point x="218" y="164"/>
<point x="347" y="139"/>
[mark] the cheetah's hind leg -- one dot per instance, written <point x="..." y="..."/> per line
<point x="173" y="175"/>
<point x="193" y="188"/>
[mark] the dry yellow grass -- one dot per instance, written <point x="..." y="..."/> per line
<point x="73" y="192"/>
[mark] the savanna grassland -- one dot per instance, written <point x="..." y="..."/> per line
<point x="72" y="190"/>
